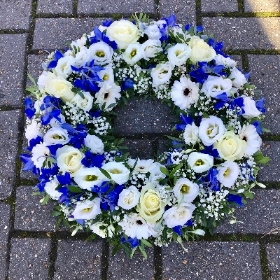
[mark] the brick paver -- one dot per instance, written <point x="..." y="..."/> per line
<point x="273" y="256"/>
<point x="54" y="7"/>
<point x="219" y="6"/>
<point x="261" y="6"/>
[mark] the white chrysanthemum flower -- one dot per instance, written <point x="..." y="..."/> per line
<point x="133" y="53"/>
<point x="95" y="144"/>
<point x="226" y="61"/>
<point x="238" y="79"/>
<point x="178" y="216"/>
<point x="190" y="134"/>
<point x="153" y="32"/>
<point x="184" y="93"/>
<point x="63" y="67"/>
<point x="150" y="48"/>
<point x="252" y="138"/>
<point x="178" y="54"/>
<point x="200" y="162"/>
<point x="142" y="165"/>
<point x="210" y="130"/>
<point x="107" y="75"/>
<point x="108" y="95"/>
<point x="161" y="74"/>
<point x="250" y="109"/>
<point x="87" y="178"/>
<point x="101" y="53"/>
<point x="39" y="154"/>
<point x="56" y="135"/>
<point x="33" y="130"/>
<point x="228" y="173"/>
<point x="81" y="57"/>
<point x="84" y="103"/>
<point x="186" y="188"/>
<point x="214" y="86"/>
<point x="118" y="172"/>
<point x="129" y="198"/>
<point x="50" y="189"/>
<point x="87" y="209"/>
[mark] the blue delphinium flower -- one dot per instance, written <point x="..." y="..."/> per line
<point x="235" y="198"/>
<point x="29" y="107"/>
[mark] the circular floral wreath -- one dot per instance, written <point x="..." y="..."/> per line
<point x="211" y="165"/>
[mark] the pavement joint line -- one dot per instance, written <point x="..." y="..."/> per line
<point x="105" y="259"/>
<point x="52" y="16"/>
<point x="241" y="6"/>
<point x="53" y="255"/>
<point x="13" y="31"/>
<point x="10" y="108"/>
<point x="75" y="7"/>
<point x="241" y="14"/>
<point x="198" y="12"/>
<point x="158" y="262"/>
<point x="157" y="9"/>
<point x="245" y="62"/>
<point x="264" y="261"/>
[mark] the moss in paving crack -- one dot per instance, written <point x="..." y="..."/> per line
<point x="52" y="256"/>
<point x="270" y="185"/>
<point x="245" y="62"/>
<point x="270" y="137"/>
<point x="264" y="262"/>
<point x="241" y="15"/>
<point x="252" y="51"/>
<point x="75" y="8"/>
<point x="241" y="6"/>
<point x="198" y="12"/>
<point x="105" y="260"/>
<point x="158" y="262"/>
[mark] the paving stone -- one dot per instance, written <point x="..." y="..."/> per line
<point x="15" y="14"/>
<point x="34" y="67"/>
<point x="245" y="33"/>
<point x="273" y="258"/>
<point x="185" y="11"/>
<point x="8" y="150"/>
<point x="140" y="148"/>
<point x="110" y="6"/>
<point x="78" y="260"/>
<point x="63" y="31"/>
<point x="29" y="259"/>
<point x="141" y="116"/>
<point x="262" y="6"/>
<point x="218" y="6"/>
<point x="215" y="260"/>
<point x="265" y="75"/>
<point x="30" y="215"/>
<point x="4" y="231"/>
<point x="260" y="215"/>
<point x="54" y="7"/>
<point x="122" y="267"/>
<point x="11" y="68"/>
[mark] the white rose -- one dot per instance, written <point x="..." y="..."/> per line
<point x="129" y="198"/>
<point x="50" y="189"/>
<point x="238" y="79"/>
<point x="250" y="109"/>
<point x="133" y="53"/>
<point x="200" y="162"/>
<point x="214" y="86"/>
<point x="123" y="32"/>
<point x="184" y="187"/>
<point x="210" y="130"/>
<point x="178" y="54"/>
<point x="118" y="172"/>
<point x="226" y="61"/>
<point x="95" y="144"/>
<point x="150" y="48"/>
<point x="87" y="209"/>
<point x="32" y="130"/>
<point x="153" y="32"/>
<point x="69" y="159"/>
<point x="228" y="173"/>
<point x="56" y="135"/>
<point x="161" y="74"/>
<point x="39" y="154"/>
<point x="178" y="216"/>
<point x="101" y="53"/>
<point x="83" y="103"/>
<point x="63" y="68"/>
<point x="190" y="134"/>
<point x="81" y="58"/>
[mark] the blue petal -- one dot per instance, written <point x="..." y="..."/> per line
<point x="65" y="179"/>
<point x="235" y="198"/>
<point x="178" y="230"/>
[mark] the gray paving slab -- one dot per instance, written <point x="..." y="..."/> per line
<point x="261" y="6"/>
<point x="54" y="7"/>
<point x="4" y="231"/>
<point x="110" y="6"/>
<point x="265" y="75"/>
<point x="34" y="67"/>
<point x="212" y="260"/>
<point x="78" y="260"/>
<point x="260" y="215"/>
<point x="140" y="148"/>
<point x="29" y="259"/>
<point x="15" y="14"/>
<point x="55" y="33"/>
<point x="121" y="267"/>
<point x="185" y="11"/>
<point x="11" y="68"/>
<point x="8" y="150"/>
<point x="245" y="33"/>
<point x="219" y="6"/>
<point x="273" y="258"/>
<point x="30" y="215"/>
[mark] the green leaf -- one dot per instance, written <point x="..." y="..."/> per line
<point x="105" y="173"/>
<point x="249" y="194"/>
<point x="74" y="189"/>
<point x="31" y="79"/>
<point x="175" y="169"/>
<point x="146" y="243"/>
<point x="260" y="158"/>
<point x="55" y="213"/>
<point x="164" y="170"/>
<point x="143" y="252"/>
<point x="81" y="94"/>
<point x="45" y="199"/>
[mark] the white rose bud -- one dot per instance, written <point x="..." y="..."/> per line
<point x="153" y="32"/>
<point x="250" y="109"/>
<point x="238" y="79"/>
<point x="33" y="130"/>
<point x="50" y="189"/>
<point x="95" y="144"/>
<point x="150" y="48"/>
<point x="226" y="61"/>
<point x="190" y="134"/>
<point x="84" y="103"/>
<point x="129" y="198"/>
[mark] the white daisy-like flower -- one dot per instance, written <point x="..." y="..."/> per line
<point x="108" y="95"/>
<point x="133" y="53"/>
<point x="50" y="189"/>
<point x="142" y="165"/>
<point x="118" y="172"/>
<point x="178" y="54"/>
<point x="252" y="138"/>
<point x="39" y="154"/>
<point x="101" y="53"/>
<point x="228" y="173"/>
<point x="107" y="75"/>
<point x="186" y="188"/>
<point x="56" y="135"/>
<point x="87" y="209"/>
<point x="129" y="198"/>
<point x="200" y="162"/>
<point x="184" y="93"/>
<point x="190" y="134"/>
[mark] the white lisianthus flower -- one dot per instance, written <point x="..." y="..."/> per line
<point x="129" y="198"/>
<point x="153" y="32"/>
<point x="123" y="32"/>
<point x="107" y="95"/>
<point x="214" y="86"/>
<point x="142" y="165"/>
<point x="250" y="109"/>
<point x="252" y="138"/>
<point x="150" y="48"/>
<point x="210" y="130"/>
<point x="186" y="188"/>
<point x="96" y="228"/>
<point x="33" y="130"/>
<point x="95" y="144"/>
<point x="200" y="162"/>
<point x="118" y="172"/>
<point x="80" y="43"/>
<point x="87" y="178"/>
<point x="107" y="75"/>
<point x="190" y="134"/>
<point x="87" y="209"/>
<point x="228" y="173"/>
<point x="178" y="54"/>
<point x="238" y="79"/>
<point x="184" y="93"/>
<point x="69" y="159"/>
<point x="82" y="57"/>
<point x="226" y="61"/>
<point x="63" y="67"/>
<point x="83" y="103"/>
<point x="201" y="51"/>
<point x="101" y="53"/>
<point x="39" y="154"/>
<point x="56" y="135"/>
<point x="50" y="189"/>
<point x="230" y="146"/>
<point x="133" y="53"/>
<point x="161" y="74"/>
<point x="178" y="216"/>
<point x="155" y="172"/>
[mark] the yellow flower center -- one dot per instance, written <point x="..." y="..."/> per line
<point x="185" y="189"/>
<point x="133" y="53"/>
<point x="115" y="171"/>
<point x="87" y="209"/>
<point x="226" y="172"/>
<point x="100" y="54"/>
<point x="105" y="77"/>
<point x="91" y="178"/>
<point x="199" y="162"/>
<point x="178" y="52"/>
